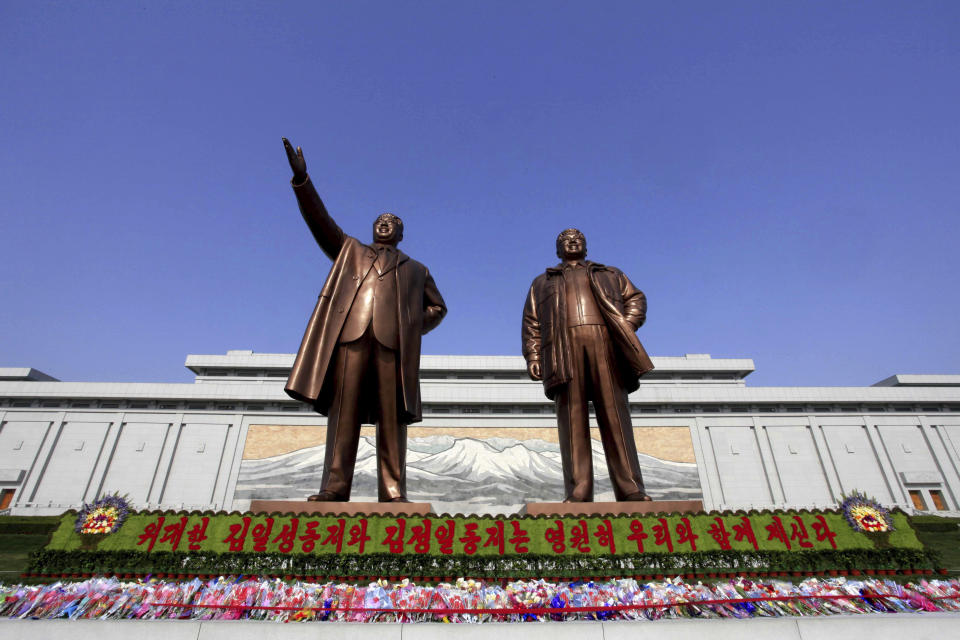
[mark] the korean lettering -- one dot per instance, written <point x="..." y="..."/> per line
<point x="685" y="533"/>
<point x="798" y="532"/>
<point x="444" y="535"/>
<point x="637" y="534"/>
<point x="174" y="532"/>
<point x="604" y="535"/>
<point x="661" y="534"/>
<point x="310" y="536"/>
<point x="744" y="530"/>
<point x="358" y="535"/>
<point x="555" y="537"/>
<point x="822" y="529"/>
<point x="150" y="533"/>
<point x="420" y="536"/>
<point x="471" y="539"/>
<point x="719" y="533"/>
<point x="495" y="537"/>
<point x="261" y="534"/>
<point x="777" y="532"/>
<point x="287" y="536"/>
<point x="335" y="534"/>
<point x="519" y="538"/>
<point x="238" y="534"/>
<point x="395" y="535"/>
<point x="580" y="537"/>
<point x="198" y="533"/>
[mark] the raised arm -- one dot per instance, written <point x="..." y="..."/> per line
<point x="325" y="231"/>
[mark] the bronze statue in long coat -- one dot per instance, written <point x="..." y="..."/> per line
<point x="579" y="337"/>
<point x="359" y="361"/>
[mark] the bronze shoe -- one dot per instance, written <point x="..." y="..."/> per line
<point x="325" y="496"/>
<point x="637" y="497"/>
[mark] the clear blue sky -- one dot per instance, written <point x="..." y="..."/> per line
<point x="780" y="178"/>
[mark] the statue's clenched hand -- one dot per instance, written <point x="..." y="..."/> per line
<point x="533" y="370"/>
<point x="297" y="163"/>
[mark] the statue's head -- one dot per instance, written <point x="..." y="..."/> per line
<point x="571" y="245"/>
<point x="387" y="229"/>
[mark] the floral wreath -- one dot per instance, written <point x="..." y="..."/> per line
<point x="103" y="516"/>
<point x="865" y="514"/>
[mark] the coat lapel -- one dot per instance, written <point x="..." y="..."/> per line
<point x="401" y="258"/>
<point x="369" y="257"/>
<point x="394" y="262"/>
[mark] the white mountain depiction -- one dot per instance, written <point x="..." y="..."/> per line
<point x="460" y="475"/>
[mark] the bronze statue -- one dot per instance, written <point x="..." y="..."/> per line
<point x="579" y="337"/>
<point x="359" y="361"/>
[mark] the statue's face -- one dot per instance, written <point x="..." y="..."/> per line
<point x="388" y="229"/>
<point x="571" y="245"/>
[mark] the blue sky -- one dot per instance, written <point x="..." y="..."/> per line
<point x="781" y="179"/>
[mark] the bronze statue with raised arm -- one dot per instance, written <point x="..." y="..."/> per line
<point x="579" y="337"/>
<point x="359" y="361"/>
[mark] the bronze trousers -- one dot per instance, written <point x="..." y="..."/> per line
<point x="593" y="371"/>
<point x="366" y="372"/>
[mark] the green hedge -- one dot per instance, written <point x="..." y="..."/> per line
<point x="28" y="524"/>
<point x="69" y="552"/>
<point x="510" y="566"/>
<point x="936" y="524"/>
<point x="219" y="526"/>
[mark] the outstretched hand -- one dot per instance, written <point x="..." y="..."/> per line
<point x="297" y="163"/>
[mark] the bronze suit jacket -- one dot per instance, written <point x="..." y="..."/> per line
<point x="624" y="309"/>
<point x="420" y="308"/>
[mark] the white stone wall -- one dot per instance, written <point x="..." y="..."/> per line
<point x="811" y="461"/>
<point x="168" y="461"/>
<point x="178" y="460"/>
<point x="755" y="447"/>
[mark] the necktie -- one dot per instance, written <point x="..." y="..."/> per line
<point x="386" y="260"/>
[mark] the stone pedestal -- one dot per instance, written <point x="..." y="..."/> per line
<point x="336" y="508"/>
<point x="611" y="508"/>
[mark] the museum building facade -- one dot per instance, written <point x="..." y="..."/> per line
<point x="487" y="442"/>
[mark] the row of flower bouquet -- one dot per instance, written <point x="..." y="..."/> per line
<point x="469" y="601"/>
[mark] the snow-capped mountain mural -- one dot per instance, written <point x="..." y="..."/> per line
<point x="459" y="474"/>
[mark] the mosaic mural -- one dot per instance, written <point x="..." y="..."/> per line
<point x="470" y="470"/>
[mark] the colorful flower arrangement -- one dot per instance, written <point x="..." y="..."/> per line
<point x="103" y="516"/>
<point x="470" y="601"/>
<point x="866" y="514"/>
